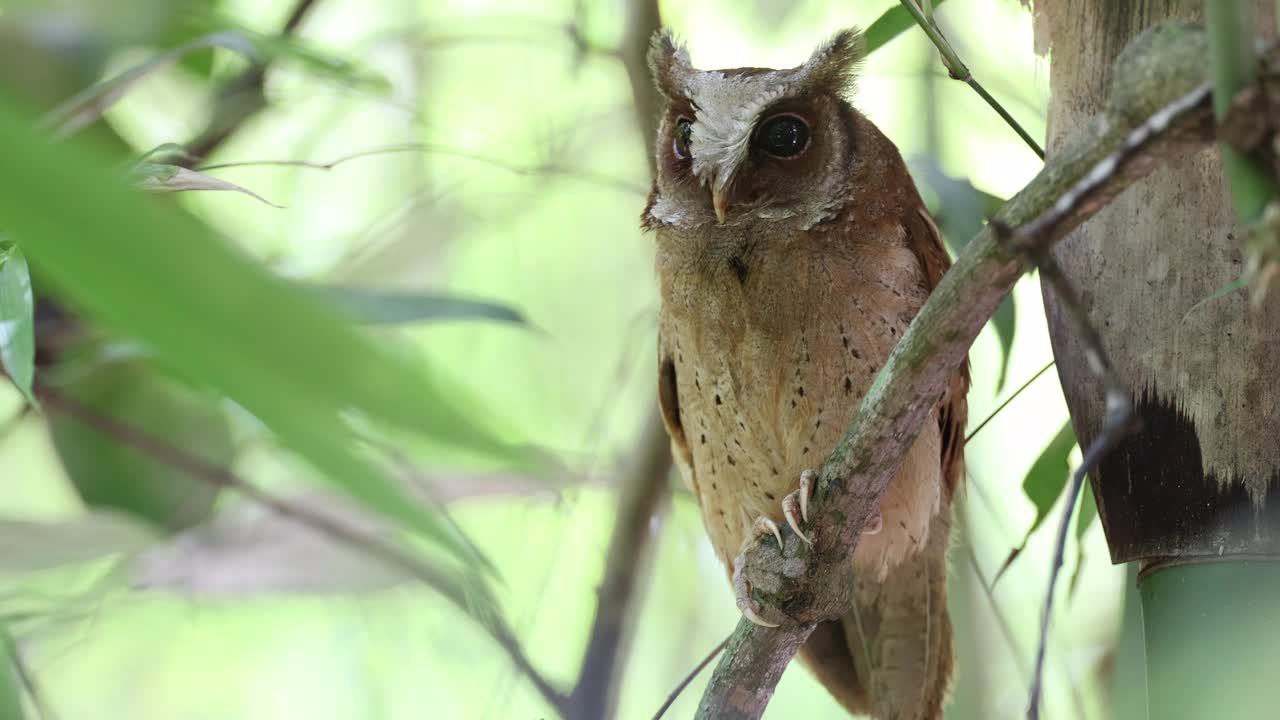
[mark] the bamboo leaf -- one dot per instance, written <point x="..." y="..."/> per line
<point x="372" y="306"/>
<point x="173" y="178"/>
<point x="17" y="328"/>
<point x="1087" y="513"/>
<point x="10" y="685"/>
<point x="38" y="546"/>
<point x="1005" y="323"/>
<point x="108" y="474"/>
<point x="1043" y="485"/>
<point x="150" y="272"/>
<point x="892" y="23"/>
<point x="90" y="104"/>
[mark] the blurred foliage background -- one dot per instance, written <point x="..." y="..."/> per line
<point x="462" y="179"/>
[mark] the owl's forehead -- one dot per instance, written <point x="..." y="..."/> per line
<point x="733" y="92"/>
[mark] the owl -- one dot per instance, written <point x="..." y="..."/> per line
<point x="792" y="252"/>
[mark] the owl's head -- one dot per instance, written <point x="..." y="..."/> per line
<point x="748" y="144"/>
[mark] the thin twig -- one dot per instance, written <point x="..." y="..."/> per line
<point x="959" y="71"/>
<point x="197" y="468"/>
<point x="1008" y="400"/>
<point x="433" y="149"/>
<point x="688" y="678"/>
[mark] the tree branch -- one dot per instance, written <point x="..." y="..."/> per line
<point x="1158" y="107"/>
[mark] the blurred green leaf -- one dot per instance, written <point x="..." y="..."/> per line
<point x="1044" y="484"/>
<point x="110" y="475"/>
<point x="962" y="212"/>
<point x="38" y="546"/>
<point x="158" y="177"/>
<point x="895" y="21"/>
<point x="1004" y="322"/>
<point x="88" y="105"/>
<point x="17" y="328"/>
<point x="372" y="306"/>
<point x="1088" y="510"/>
<point x="1087" y="513"/>
<point x="10" y="686"/>
<point x="148" y="271"/>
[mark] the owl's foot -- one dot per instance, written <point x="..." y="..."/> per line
<point x="797" y="503"/>
<point x="751" y="610"/>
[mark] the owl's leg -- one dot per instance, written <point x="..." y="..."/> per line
<point x="797" y="503"/>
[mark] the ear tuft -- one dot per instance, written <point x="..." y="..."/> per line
<point x="669" y="63"/>
<point x="835" y="64"/>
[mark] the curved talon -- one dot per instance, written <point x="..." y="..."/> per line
<point x="763" y="525"/>
<point x="790" y="505"/>
<point x="808" y="479"/>
<point x="749" y="613"/>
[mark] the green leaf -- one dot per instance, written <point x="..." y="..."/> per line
<point x="90" y="104"/>
<point x="373" y="306"/>
<point x="108" y="474"/>
<point x="962" y="212"/>
<point x="1087" y="513"/>
<point x="17" y="326"/>
<point x="1005" y="323"/>
<point x="1044" y="484"/>
<point x="1088" y="509"/>
<point x="158" y="177"/>
<point x="10" y="685"/>
<point x="892" y="23"/>
<point x="148" y="271"/>
<point x="1239" y="283"/>
<point x="31" y="547"/>
<point x="1048" y="475"/>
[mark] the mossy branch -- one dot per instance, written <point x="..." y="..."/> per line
<point x="1157" y="108"/>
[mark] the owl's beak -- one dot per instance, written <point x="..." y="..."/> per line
<point x="720" y="201"/>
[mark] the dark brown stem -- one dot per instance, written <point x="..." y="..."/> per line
<point x="1150" y="117"/>
<point x="645" y="487"/>
<point x="240" y="99"/>
<point x="643" y="491"/>
<point x="130" y="436"/>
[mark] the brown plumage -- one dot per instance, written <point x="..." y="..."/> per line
<point x="792" y="252"/>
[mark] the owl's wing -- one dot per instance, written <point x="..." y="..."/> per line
<point x="953" y="410"/>
<point x="669" y="402"/>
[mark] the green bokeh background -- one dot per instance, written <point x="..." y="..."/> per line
<point x="499" y="80"/>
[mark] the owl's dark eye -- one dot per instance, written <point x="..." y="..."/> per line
<point x="782" y="136"/>
<point x="684" y="133"/>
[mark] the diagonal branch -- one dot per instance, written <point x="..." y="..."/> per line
<point x="1158" y="108"/>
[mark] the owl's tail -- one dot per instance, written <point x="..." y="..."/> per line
<point x="890" y="656"/>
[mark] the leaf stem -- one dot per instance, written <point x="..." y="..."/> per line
<point x="959" y="71"/>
